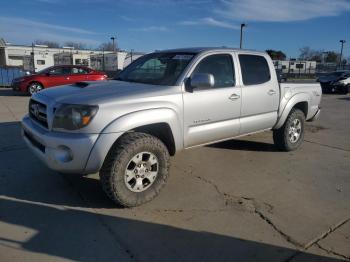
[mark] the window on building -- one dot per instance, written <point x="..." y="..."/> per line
<point x="255" y="69"/>
<point x="40" y="62"/>
<point x="299" y="66"/>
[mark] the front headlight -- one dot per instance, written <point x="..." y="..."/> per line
<point x="73" y="117"/>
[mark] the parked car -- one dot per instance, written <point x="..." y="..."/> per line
<point x="163" y="103"/>
<point x="56" y="76"/>
<point x="335" y="82"/>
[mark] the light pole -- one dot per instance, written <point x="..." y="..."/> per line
<point x="113" y="38"/>
<point x="341" y="51"/>
<point x="241" y="39"/>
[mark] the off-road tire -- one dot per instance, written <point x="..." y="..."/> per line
<point x="281" y="135"/>
<point x="113" y="170"/>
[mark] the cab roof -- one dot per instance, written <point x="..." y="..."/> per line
<point x="198" y="50"/>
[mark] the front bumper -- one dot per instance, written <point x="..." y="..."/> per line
<point x="67" y="152"/>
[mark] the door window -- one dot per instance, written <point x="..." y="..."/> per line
<point x="255" y="69"/>
<point x="220" y="66"/>
<point x="79" y="70"/>
<point x="56" y="71"/>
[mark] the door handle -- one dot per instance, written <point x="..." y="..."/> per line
<point x="234" y="97"/>
<point x="271" y="92"/>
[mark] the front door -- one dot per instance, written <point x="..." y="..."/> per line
<point x="212" y="114"/>
<point x="58" y="76"/>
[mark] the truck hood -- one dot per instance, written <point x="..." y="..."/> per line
<point x="104" y="91"/>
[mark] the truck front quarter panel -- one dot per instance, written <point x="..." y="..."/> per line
<point x="127" y="123"/>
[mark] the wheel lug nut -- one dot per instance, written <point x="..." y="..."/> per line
<point x="135" y="171"/>
<point x="137" y="176"/>
<point x="139" y="165"/>
<point x="142" y="176"/>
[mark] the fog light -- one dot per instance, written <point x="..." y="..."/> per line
<point x="63" y="154"/>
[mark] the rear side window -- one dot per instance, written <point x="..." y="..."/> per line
<point x="255" y="69"/>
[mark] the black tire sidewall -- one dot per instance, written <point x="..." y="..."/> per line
<point x="295" y="114"/>
<point x="121" y="194"/>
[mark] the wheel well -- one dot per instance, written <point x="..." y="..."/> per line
<point x="162" y="131"/>
<point x="303" y="106"/>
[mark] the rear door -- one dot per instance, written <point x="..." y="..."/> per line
<point x="212" y="114"/>
<point x="260" y="93"/>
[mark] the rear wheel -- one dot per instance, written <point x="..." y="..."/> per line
<point x="290" y="136"/>
<point x="135" y="169"/>
<point x="34" y="88"/>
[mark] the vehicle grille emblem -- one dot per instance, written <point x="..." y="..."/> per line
<point x="35" y="109"/>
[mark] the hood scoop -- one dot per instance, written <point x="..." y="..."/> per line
<point x="81" y="84"/>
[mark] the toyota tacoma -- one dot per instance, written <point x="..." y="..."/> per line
<point x="164" y="102"/>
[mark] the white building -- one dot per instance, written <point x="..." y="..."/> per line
<point x="42" y="57"/>
<point x="295" y="66"/>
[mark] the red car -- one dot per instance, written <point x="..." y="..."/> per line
<point x="56" y="76"/>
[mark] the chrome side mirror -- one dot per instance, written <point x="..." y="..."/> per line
<point x="202" y="81"/>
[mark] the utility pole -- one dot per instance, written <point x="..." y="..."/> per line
<point x="241" y="38"/>
<point x="341" y="51"/>
<point x="33" y="61"/>
<point x="113" y="38"/>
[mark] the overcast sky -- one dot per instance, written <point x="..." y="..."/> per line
<point x="147" y="25"/>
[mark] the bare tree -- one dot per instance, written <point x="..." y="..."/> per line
<point x="51" y="44"/>
<point x="276" y="55"/>
<point x="76" y="45"/>
<point x="106" y="46"/>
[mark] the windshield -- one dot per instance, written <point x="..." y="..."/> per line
<point x="44" y="71"/>
<point x="156" y="68"/>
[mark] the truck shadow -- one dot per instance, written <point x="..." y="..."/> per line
<point x="80" y="235"/>
<point x="245" y="145"/>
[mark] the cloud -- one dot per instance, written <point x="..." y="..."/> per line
<point x="151" y="29"/>
<point x="25" y="31"/>
<point x="209" y="21"/>
<point x="281" y="10"/>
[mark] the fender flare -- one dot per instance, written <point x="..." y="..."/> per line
<point x="301" y="97"/>
<point x="114" y="130"/>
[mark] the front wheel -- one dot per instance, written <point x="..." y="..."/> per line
<point x="135" y="169"/>
<point x="34" y="88"/>
<point x="290" y="136"/>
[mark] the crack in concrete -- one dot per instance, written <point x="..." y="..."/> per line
<point x="326" y="233"/>
<point x="332" y="252"/>
<point x="253" y="206"/>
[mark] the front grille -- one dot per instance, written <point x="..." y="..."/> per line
<point x="37" y="112"/>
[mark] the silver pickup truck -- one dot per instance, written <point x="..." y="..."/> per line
<point x="162" y="103"/>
